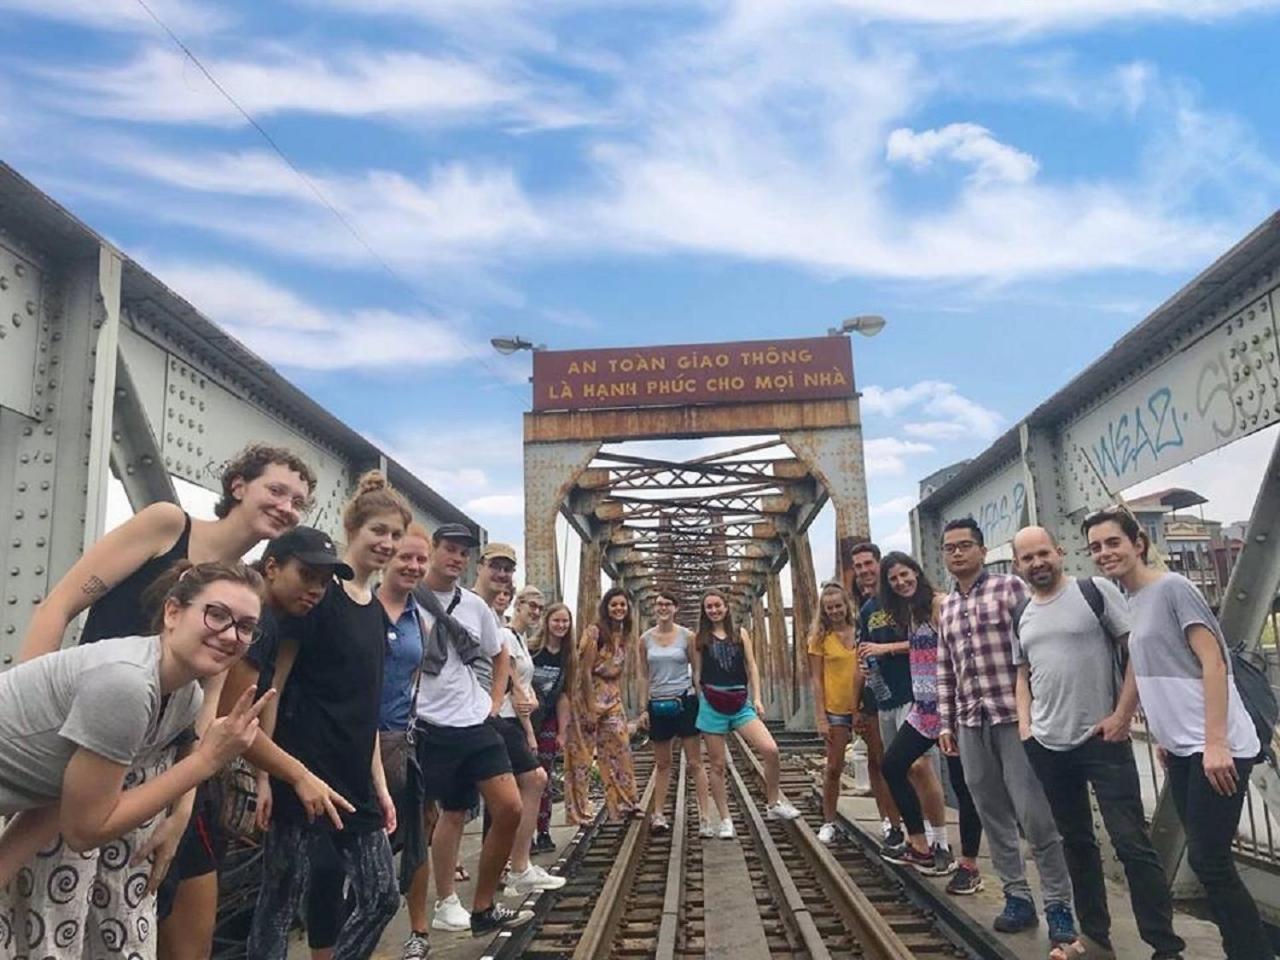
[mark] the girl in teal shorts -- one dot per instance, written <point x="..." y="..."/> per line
<point x="724" y="671"/>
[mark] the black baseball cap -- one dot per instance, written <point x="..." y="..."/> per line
<point x="310" y="546"/>
<point x="454" y="531"/>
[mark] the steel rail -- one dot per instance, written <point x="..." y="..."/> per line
<point x="808" y="931"/>
<point x="879" y="940"/>
<point x="603" y="922"/>
<point x="669" y="927"/>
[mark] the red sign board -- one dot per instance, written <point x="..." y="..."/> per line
<point x="752" y="371"/>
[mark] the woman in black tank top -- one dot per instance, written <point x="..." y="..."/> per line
<point x="265" y="492"/>
<point x="724" y="670"/>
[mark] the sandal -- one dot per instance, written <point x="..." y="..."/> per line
<point x="460" y="874"/>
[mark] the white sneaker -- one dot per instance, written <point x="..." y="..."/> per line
<point x="827" y="834"/>
<point x="533" y="880"/>
<point x="450" y="915"/>
<point x="782" y="810"/>
<point x="706" y="830"/>
<point x="726" y="829"/>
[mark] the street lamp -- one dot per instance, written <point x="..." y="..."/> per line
<point x="509" y="345"/>
<point x="866" y="324"/>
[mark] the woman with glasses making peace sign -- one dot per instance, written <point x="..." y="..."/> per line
<point x="265" y="492"/>
<point x="75" y="722"/>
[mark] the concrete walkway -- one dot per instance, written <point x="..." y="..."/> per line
<point x="1203" y="941"/>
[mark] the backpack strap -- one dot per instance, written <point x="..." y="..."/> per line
<point x="1097" y="603"/>
<point x="1018" y="610"/>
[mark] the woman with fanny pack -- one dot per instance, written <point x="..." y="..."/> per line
<point x="724" y="670"/>
<point x="666" y="687"/>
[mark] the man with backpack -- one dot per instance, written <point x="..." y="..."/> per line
<point x="1075" y="704"/>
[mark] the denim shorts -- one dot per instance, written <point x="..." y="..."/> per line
<point x="711" y="720"/>
<point x="840" y="719"/>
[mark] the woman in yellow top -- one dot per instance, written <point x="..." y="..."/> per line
<point x="833" y="665"/>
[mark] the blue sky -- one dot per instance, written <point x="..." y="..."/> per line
<point x="1013" y="184"/>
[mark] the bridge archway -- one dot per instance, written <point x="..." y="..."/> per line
<point x="734" y="519"/>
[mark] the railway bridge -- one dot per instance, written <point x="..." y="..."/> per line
<point x="106" y="373"/>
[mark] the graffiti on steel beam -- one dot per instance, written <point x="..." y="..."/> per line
<point x="1151" y="428"/>
<point x="1215" y="390"/>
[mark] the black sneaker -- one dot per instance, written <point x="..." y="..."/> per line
<point x="496" y="918"/>
<point x="964" y="882"/>
<point x="543" y="843"/>
<point x="894" y="837"/>
<point x="895" y="854"/>
<point x="912" y="857"/>
<point x="944" y="862"/>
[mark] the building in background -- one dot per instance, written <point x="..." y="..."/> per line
<point x="1202" y="550"/>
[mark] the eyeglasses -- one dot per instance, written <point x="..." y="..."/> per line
<point x="962" y="546"/>
<point x="506" y="566"/>
<point x="218" y="617"/>
<point x="278" y="491"/>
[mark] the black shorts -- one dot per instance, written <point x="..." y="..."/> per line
<point x="455" y="759"/>
<point x="522" y="758"/>
<point x="201" y="850"/>
<point x="682" y="724"/>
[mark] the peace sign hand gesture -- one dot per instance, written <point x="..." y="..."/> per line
<point x="232" y="735"/>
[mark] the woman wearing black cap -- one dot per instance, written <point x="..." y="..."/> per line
<point x="265" y="492"/>
<point x="329" y="721"/>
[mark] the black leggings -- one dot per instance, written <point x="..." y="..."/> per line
<point x="286" y="868"/>
<point x="908" y="746"/>
<point x="1210" y="820"/>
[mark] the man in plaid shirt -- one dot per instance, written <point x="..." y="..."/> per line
<point x="977" y="683"/>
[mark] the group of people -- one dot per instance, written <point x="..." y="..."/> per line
<point x="1027" y="686"/>
<point x="375" y="701"/>
<point x="381" y="703"/>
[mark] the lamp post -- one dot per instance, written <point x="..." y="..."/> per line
<point x="868" y="324"/>
<point x="509" y="345"/>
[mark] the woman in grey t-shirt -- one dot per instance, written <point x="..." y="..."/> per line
<point x="1194" y="712"/>
<point x="671" y="707"/>
<point x="73" y="723"/>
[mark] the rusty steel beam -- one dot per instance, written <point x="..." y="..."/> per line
<point x="778" y="647"/>
<point x="688" y="423"/>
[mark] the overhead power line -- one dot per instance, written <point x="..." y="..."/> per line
<point x="319" y="194"/>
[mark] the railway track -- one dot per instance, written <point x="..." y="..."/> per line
<point x="634" y="895"/>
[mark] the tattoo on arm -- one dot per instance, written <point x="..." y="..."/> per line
<point x="93" y="587"/>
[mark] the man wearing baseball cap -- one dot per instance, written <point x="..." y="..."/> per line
<point x="497" y="567"/>
<point x="461" y="753"/>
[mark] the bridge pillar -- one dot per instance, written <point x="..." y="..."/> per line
<point x="804" y="610"/>
<point x="550" y="469"/>
<point x="835" y="457"/>
<point x="778" y="652"/>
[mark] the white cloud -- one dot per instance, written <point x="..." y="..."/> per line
<point x="162" y="85"/>
<point x="292" y="332"/>
<point x="464" y="463"/>
<point x="901" y="504"/>
<point x="455" y="212"/>
<point x="183" y="16"/>
<point x="498" y="504"/>
<point x="968" y="143"/>
<point x="954" y="415"/>
<point x="900" y="539"/>
<point x="1044" y="14"/>
<point x="887" y="455"/>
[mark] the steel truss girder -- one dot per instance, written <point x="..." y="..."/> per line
<point x="103" y="369"/>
